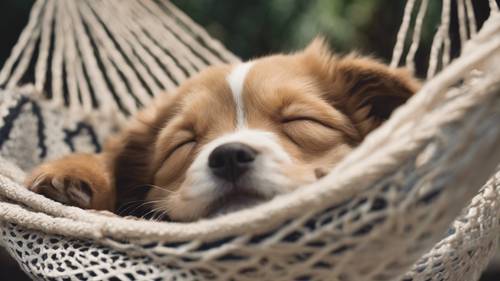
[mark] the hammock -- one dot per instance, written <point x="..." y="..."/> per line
<point x="407" y="204"/>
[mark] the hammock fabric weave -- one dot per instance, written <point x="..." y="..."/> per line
<point x="413" y="202"/>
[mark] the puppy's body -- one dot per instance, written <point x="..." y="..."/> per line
<point x="234" y="136"/>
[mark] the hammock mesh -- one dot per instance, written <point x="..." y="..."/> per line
<point x="412" y="202"/>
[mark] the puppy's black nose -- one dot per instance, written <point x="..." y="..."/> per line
<point x="231" y="160"/>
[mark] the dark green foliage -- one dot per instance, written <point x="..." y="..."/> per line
<point x="259" y="27"/>
<point x="255" y="28"/>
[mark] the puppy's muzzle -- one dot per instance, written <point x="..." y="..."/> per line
<point x="231" y="161"/>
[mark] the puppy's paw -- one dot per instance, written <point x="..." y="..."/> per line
<point x="80" y="180"/>
<point x="65" y="188"/>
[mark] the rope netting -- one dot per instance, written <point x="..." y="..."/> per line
<point x="111" y="55"/>
<point x="440" y="51"/>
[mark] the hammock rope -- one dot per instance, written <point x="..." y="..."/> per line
<point x="392" y="210"/>
<point x="127" y="58"/>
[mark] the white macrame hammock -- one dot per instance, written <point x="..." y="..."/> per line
<point x="407" y="204"/>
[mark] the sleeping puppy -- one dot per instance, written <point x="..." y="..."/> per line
<point x="234" y="136"/>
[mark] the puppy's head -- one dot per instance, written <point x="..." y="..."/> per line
<point x="237" y="135"/>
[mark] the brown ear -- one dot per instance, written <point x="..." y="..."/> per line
<point x="131" y="151"/>
<point x="366" y="90"/>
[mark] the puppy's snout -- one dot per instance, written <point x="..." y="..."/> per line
<point x="231" y="160"/>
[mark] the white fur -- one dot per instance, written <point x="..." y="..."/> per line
<point x="236" y="80"/>
<point x="266" y="177"/>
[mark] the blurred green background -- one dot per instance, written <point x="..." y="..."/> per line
<point x="260" y="27"/>
<point x="252" y="28"/>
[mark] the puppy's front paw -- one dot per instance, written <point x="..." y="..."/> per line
<point x="65" y="188"/>
<point x="79" y="180"/>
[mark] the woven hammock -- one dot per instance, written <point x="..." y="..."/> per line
<point x="412" y="202"/>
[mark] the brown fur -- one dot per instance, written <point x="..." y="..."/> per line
<point x="319" y="105"/>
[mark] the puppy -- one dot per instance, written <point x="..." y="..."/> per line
<point x="234" y="136"/>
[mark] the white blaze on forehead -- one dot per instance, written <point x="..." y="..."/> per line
<point x="236" y="80"/>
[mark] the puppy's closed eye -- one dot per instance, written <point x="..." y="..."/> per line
<point x="304" y="119"/>
<point x="176" y="162"/>
<point x="175" y="157"/>
<point x="182" y="147"/>
<point x="310" y="134"/>
<point x="175" y="142"/>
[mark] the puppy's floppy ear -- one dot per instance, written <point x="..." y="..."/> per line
<point x="131" y="151"/>
<point x="366" y="90"/>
